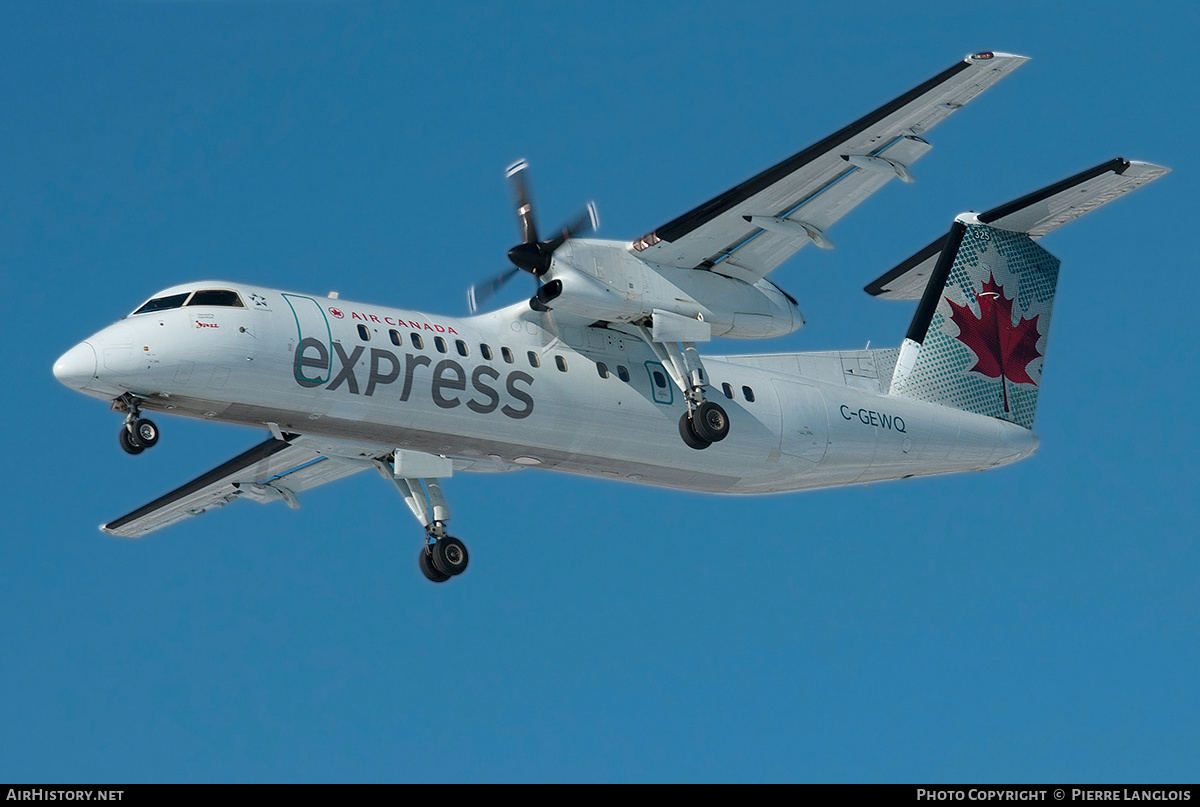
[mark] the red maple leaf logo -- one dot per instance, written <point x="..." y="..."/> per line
<point x="1002" y="349"/>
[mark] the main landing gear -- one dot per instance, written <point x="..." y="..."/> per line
<point x="443" y="556"/>
<point x="137" y="433"/>
<point x="703" y="425"/>
<point x="442" y="559"/>
<point x="704" y="422"/>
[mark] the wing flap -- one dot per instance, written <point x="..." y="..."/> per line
<point x="848" y="188"/>
<point x="274" y="469"/>
<point x="822" y="183"/>
<point x="1035" y="214"/>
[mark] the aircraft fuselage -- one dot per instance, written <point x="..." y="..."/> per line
<point x="514" y="388"/>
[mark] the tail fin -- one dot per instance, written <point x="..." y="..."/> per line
<point x="979" y="335"/>
<point x="978" y="338"/>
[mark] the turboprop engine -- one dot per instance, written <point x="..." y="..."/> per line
<point x="605" y="281"/>
<point x="602" y="280"/>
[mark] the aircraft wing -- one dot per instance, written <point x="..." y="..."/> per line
<point x="752" y="228"/>
<point x="1035" y="213"/>
<point x="275" y="469"/>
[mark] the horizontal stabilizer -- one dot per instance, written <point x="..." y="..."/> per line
<point x="1034" y="214"/>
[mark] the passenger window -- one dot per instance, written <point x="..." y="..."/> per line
<point x="507" y="354"/>
<point x="363" y="333"/>
<point x="534" y="361"/>
<point x="660" y="380"/>
<point x="623" y="373"/>
<point x="602" y="369"/>
<point x="163" y="303"/>
<point x="462" y="347"/>
<point x="417" y="341"/>
<point x="728" y="390"/>
<point x="221" y="297"/>
<point x="396" y="340"/>
<point x="486" y="351"/>
<point x="440" y="344"/>
<point x="749" y="393"/>
<point x="561" y="363"/>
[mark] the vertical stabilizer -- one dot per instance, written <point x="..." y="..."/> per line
<point x="978" y="338"/>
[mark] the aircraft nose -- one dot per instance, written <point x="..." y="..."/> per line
<point x="77" y="366"/>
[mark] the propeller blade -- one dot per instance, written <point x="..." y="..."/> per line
<point x="587" y="220"/>
<point x="479" y="293"/>
<point x="532" y="255"/>
<point x="516" y="179"/>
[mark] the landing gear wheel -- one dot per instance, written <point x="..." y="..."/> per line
<point x="449" y="556"/>
<point x="710" y="422"/>
<point x="688" y="433"/>
<point x="425" y="561"/>
<point x="125" y="438"/>
<point x="145" y="433"/>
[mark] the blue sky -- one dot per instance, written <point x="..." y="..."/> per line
<point x="1035" y="623"/>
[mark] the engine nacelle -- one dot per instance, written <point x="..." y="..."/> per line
<point x="602" y="280"/>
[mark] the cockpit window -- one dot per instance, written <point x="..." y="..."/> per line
<point x="209" y="297"/>
<point x="221" y="297"/>
<point x="163" y="303"/>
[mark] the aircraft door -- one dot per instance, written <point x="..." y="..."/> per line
<point x="805" y="423"/>
<point x="313" y="339"/>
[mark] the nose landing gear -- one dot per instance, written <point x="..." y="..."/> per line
<point x="137" y="433"/>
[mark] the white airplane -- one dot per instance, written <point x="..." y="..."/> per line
<point x="599" y="372"/>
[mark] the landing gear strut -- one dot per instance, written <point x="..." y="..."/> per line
<point x="443" y="556"/>
<point x="137" y="433"/>
<point x="704" y="422"/>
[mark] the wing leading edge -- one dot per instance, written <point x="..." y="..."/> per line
<point x="752" y="228"/>
<point x="275" y="469"/>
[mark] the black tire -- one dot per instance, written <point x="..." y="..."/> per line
<point x="710" y="422"/>
<point x="145" y="433"/>
<point x="449" y="556"/>
<point x="689" y="434"/>
<point x="126" y="441"/>
<point x="425" y="561"/>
